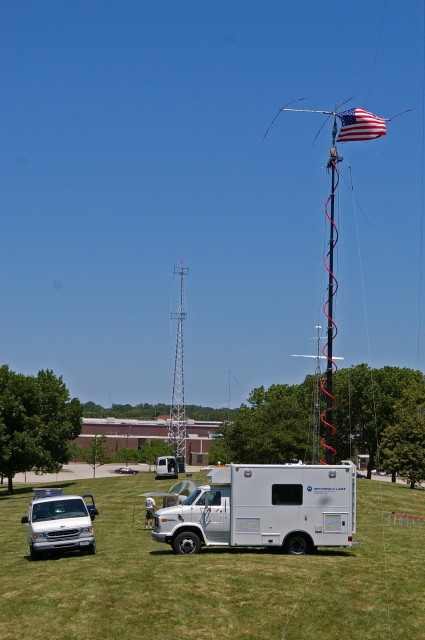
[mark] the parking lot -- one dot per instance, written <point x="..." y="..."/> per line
<point x="78" y="471"/>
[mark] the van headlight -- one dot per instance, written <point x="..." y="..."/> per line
<point x="38" y="536"/>
<point x="87" y="530"/>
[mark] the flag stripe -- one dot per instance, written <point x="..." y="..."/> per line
<point x="364" y="128"/>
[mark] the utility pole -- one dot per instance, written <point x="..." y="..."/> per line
<point x="177" y="422"/>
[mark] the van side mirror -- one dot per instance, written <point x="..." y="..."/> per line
<point x="24" y="520"/>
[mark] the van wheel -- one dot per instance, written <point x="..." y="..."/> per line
<point x="34" y="554"/>
<point x="297" y="544"/>
<point x="186" y="543"/>
<point x="91" y="550"/>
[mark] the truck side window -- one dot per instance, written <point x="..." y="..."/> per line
<point x="287" y="494"/>
<point x="214" y="499"/>
<point x="191" y="499"/>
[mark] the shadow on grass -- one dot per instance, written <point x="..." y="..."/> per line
<point x="29" y="489"/>
<point x="323" y="552"/>
<point x="334" y="553"/>
<point x="215" y="551"/>
<point x="56" y="555"/>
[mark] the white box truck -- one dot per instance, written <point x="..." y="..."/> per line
<point x="57" y="522"/>
<point x="295" y="507"/>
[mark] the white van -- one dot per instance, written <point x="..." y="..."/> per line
<point x="166" y="467"/>
<point x="57" y="522"/>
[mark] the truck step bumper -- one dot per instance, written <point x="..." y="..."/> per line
<point x="158" y="537"/>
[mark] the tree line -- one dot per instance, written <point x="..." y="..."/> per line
<point x="146" y="411"/>
<point x="379" y="412"/>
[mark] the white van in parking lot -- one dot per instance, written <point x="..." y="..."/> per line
<point x="166" y="467"/>
<point x="57" y="522"/>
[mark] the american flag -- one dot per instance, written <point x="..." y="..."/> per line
<point x="358" y="124"/>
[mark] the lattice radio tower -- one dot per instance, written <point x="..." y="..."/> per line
<point x="177" y="422"/>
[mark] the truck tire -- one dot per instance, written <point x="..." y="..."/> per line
<point x="297" y="544"/>
<point x="186" y="543"/>
<point x="91" y="550"/>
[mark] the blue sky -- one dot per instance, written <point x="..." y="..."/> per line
<point x="131" y="140"/>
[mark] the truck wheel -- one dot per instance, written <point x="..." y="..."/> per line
<point x="34" y="554"/>
<point x="186" y="543"/>
<point x="91" y="550"/>
<point x="297" y="544"/>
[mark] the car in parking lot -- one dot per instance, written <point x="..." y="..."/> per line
<point x="126" y="470"/>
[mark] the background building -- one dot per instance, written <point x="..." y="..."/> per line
<point x="133" y="434"/>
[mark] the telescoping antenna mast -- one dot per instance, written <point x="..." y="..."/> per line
<point x="327" y="386"/>
<point x="177" y="422"/>
<point x="356" y="124"/>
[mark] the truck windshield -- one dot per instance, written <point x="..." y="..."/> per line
<point x="191" y="499"/>
<point x="57" y="509"/>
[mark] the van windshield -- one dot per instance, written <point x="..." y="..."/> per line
<point x="58" y="509"/>
<point x="191" y="499"/>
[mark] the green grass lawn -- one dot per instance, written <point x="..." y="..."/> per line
<point x="135" y="588"/>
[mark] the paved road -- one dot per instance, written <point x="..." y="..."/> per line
<point x="387" y="479"/>
<point x="80" y="471"/>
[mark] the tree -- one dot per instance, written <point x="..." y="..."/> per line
<point x="37" y="423"/>
<point x="366" y="405"/>
<point x="124" y="454"/>
<point x="60" y="420"/>
<point x="219" y="451"/>
<point x="96" y="455"/>
<point x="403" y="444"/>
<point x="93" y="410"/>
<point x="153" y="450"/>
<point x="273" y="430"/>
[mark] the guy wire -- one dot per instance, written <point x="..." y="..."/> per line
<point x="422" y="201"/>
<point x="373" y="402"/>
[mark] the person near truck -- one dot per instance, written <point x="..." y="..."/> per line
<point x="150" y="510"/>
